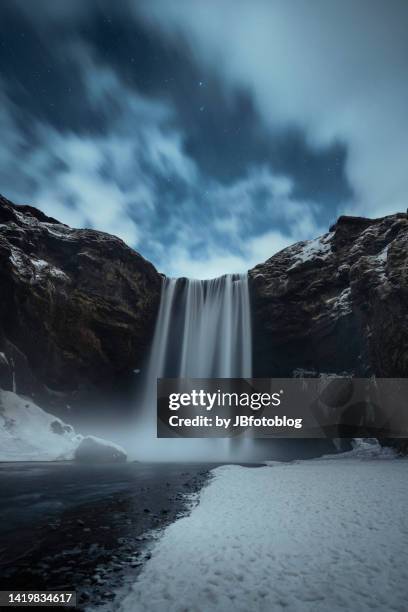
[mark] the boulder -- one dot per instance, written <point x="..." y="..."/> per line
<point x="96" y="450"/>
<point x="29" y="433"/>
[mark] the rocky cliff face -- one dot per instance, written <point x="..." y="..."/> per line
<point x="338" y="303"/>
<point x="77" y="308"/>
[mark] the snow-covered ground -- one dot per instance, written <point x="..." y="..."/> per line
<point x="318" y="535"/>
<point x="28" y="433"/>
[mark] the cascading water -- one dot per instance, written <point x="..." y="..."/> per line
<point x="203" y="330"/>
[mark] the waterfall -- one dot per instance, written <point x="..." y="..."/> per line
<point x="203" y="330"/>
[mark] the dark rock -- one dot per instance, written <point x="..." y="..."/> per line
<point x="399" y="444"/>
<point x="337" y="304"/>
<point x="337" y="392"/>
<point x="77" y="310"/>
<point x="6" y="373"/>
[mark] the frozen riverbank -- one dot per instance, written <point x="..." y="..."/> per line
<point x="86" y="527"/>
<point x="318" y="535"/>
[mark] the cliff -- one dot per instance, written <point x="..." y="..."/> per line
<point x="77" y="309"/>
<point x="338" y="303"/>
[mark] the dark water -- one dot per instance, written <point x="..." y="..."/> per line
<point x="86" y="528"/>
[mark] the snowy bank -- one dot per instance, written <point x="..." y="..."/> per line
<point x="28" y="433"/>
<point x="313" y="535"/>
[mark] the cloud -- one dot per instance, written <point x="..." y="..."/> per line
<point x="134" y="178"/>
<point x="96" y="180"/>
<point x="218" y="262"/>
<point x="235" y="239"/>
<point x="46" y="12"/>
<point x="337" y="70"/>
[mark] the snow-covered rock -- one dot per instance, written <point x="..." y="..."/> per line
<point x="308" y="250"/>
<point x="365" y="448"/>
<point x="96" y="450"/>
<point x="28" y="433"/>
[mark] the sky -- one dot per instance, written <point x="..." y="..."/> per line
<point x="207" y="134"/>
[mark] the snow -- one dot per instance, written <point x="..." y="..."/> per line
<point x="35" y="267"/>
<point x="382" y="256"/>
<point x="16" y="259"/>
<point x="25" y="219"/>
<point x="95" y="450"/>
<point x="41" y="266"/>
<point x="59" y="231"/>
<point x="28" y="433"/>
<point x="341" y="303"/>
<point x="316" y="535"/>
<point x="106" y="443"/>
<point x="311" y="249"/>
<point x="380" y="262"/>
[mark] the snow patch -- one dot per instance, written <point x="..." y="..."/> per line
<point x="17" y="260"/>
<point x="43" y="267"/>
<point x="382" y="256"/>
<point x="341" y="303"/>
<point x="25" y="219"/>
<point x="311" y="249"/>
<point x="39" y="264"/>
<point x="59" y="231"/>
<point x="35" y="267"/>
<point x="28" y="433"/>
